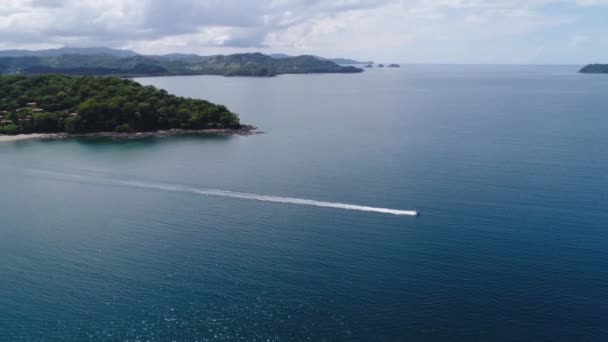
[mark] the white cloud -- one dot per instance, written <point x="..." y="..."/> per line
<point x="414" y="30"/>
<point x="577" y="41"/>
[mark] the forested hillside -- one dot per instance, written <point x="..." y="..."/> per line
<point x="59" y="103"/>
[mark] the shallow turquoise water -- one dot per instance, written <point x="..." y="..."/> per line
<point x="507" y="165"/>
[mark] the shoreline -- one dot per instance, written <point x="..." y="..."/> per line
<point x="21" y="137"/>
<point x="244" y="130"/>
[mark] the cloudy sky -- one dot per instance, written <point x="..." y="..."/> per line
<point x="414" y="31"/>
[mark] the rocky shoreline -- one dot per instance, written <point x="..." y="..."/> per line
<point x="244" y="130"/>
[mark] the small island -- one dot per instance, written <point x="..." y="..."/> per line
<point x="380" y="65"/>
<point x="394" y="66"/>
<point x="595" y="69"/>
<point x="59" y="105"/>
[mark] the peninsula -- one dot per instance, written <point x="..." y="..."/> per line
<point x="58" y="105"/>
<point x="105" y="62"/>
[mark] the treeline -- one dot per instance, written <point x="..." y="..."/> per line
<point x="71" y="104"/>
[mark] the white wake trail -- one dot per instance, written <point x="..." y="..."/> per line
<point x="112" y="179"/>
<point x="264" y="198"/>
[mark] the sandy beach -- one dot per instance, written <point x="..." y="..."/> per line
<point x="243" y="131"/>
<point x="9" y="138"/>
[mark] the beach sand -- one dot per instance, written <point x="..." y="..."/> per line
<point x="9" y="138"/>
<point x="243" y="130"/>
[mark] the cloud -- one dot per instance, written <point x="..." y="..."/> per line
<point x="417" y="30"/>
<point x="577" y="41"/>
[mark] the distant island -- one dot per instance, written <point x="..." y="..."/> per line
<point x="394" y="66"/>
<point x="89" y="105"/>
<point x="595" y="69"/>
<point x="104" y="62"/>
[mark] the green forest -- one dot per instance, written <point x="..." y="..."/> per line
<point x="86" y="104"/>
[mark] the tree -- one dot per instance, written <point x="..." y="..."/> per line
<point x="73" y="125"/>
<point x="93" y="104"/>
<point x="11" y="129"/>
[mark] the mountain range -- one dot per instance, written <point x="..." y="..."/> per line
<point x="68" y="51"/>
<point x="107" y="61"/>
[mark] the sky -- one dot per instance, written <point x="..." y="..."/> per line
<point x="405" y="31"/>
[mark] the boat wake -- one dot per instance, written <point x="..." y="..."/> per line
<point x="100" y="177"/>
<point x="264" y="198"/>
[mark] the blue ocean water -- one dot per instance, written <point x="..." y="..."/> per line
<point x="117" y="240"/>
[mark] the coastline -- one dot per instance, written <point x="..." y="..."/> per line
<point x="244" y="130"/>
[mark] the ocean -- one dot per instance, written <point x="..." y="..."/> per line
<point x="305" y="232"/>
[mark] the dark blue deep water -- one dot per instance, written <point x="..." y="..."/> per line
<point x="508" y="166"/>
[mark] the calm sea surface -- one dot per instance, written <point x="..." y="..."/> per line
<point x="141" y="240"/>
